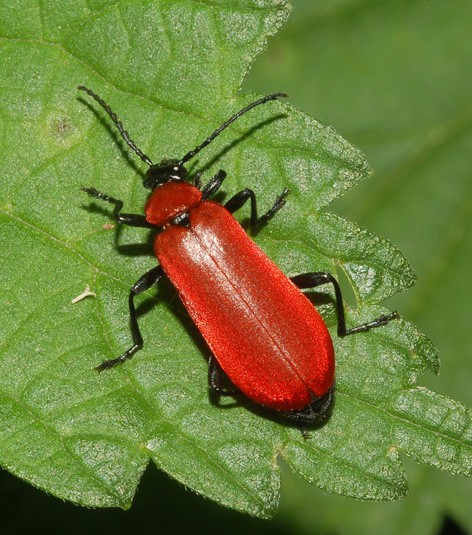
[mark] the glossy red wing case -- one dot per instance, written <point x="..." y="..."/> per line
<point x="266" y="335"/>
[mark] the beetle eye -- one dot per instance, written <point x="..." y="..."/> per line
<point x="179" y="173"/>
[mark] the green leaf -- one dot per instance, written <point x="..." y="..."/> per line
<point x="393" y="77"/>
<point x="171" y="70"/>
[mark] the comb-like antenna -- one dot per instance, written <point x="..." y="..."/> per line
<point x="218" y="131"/>
<point x="118" y="123"/>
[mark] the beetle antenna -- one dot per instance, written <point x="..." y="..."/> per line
<point x="118" y="124"/>
<point x="218" y="131"/>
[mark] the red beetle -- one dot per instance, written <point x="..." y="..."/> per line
<point x="263" y="333"/>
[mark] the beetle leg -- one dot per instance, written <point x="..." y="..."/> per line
<point x="311" y="280"/>
<point x="133" y="220"/>
<point x="315" y="412"/>
<point x="197" y="180"/>
<point x="216" y="376"/>
<point x="236" y="202"/>
<point x="213" y="185"/>
<point x="143" y="284"/>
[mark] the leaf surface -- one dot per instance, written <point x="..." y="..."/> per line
<point x="171" y="71"/>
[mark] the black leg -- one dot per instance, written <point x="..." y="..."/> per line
<point x="197" y="180"/>
<point x="213" y="185"/>
<point x="315" y="412"/>
<point x="236" y="202"/>
<point x="143" y="284"/>
<point x="311" y="280"/>
<point x="216" y="376"/>
<point x="132" y="220"/>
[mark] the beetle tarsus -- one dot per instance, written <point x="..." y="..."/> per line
<point x="378" y="322"/>
<point x="132" y="220"/>
<point x="314" y="279"/>
<point x="279" y="203"/>
<point x="238" y="200"/>
<point x="108" y="364"/>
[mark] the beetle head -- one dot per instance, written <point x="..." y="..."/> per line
<point x="172" y="170"/>
<point x="165" y="171"/>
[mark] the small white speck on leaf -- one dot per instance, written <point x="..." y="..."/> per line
<point x="83" y="295"/>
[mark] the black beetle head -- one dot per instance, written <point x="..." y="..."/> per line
<point x="172" y="170"/>
<point x="165" y="171"/>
